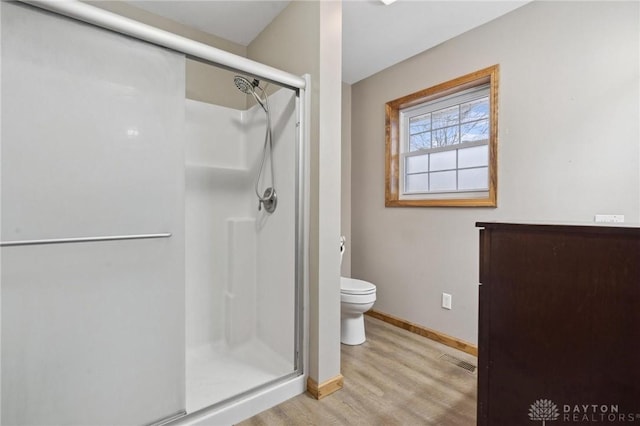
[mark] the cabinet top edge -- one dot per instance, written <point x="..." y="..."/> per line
<point x="588" y="227"/>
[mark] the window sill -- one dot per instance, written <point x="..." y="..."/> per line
<point x="457" y="202"/>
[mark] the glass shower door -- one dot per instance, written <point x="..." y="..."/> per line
<point x="92" y="230"/>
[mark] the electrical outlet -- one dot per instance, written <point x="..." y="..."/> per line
<point x="446" y="301"/>
<point x="608" y="218"/>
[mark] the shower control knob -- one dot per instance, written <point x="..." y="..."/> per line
<point x="269" y="200"/>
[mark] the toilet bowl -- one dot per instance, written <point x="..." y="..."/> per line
<point x="356" y="298"/>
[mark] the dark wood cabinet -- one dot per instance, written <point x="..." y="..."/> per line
<point x="559" y="325"/>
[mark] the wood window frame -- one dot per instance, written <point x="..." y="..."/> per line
<point x="393" y="148"/>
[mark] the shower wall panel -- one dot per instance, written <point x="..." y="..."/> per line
<point x="220" y="255"/>
<point x="241" y="298"/>
<point x="276" y="232"/>
<point x="218" y="187"/>
<point x="223" y="153"/>
<point x="214" y="137"/>
<point x="92" y="122"/>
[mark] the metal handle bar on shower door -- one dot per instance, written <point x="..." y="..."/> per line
<point x="84" y="239"/>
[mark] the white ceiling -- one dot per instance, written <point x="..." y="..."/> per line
<point x="237" y="20"/>
<point x="374" y="36"/>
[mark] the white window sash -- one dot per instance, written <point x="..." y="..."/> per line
<point x="426" y="108"/>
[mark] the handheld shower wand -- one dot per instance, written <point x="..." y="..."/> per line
<point x="269" y="198"/>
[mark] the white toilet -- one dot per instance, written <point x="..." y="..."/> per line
<point x="356" y="298"/>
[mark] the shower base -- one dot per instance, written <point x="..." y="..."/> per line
<point x="216" y="371"/>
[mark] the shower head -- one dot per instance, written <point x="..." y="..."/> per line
<point x="249" y="87"/>
<point x="244" y="85"/>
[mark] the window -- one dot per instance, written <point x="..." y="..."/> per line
<point x="441" y="144"/>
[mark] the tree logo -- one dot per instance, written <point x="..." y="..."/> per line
<point x="543" y="409"/>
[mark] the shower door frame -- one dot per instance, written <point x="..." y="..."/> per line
<point x="301" y="85"/>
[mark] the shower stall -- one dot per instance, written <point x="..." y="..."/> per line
<point x="152" y="247"/>
<point x="240" y="259"/>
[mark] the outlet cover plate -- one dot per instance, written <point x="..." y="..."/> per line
<point x="446" y="301"/>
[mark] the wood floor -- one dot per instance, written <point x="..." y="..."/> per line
<point x="394" y="378"/>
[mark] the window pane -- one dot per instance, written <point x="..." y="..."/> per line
<point x="443" y="160"/>
<point x="416" y="183"/>
<point x="475" y="131"/>
<point x="474" y="110"/>
<point x="473" y="157"/>
<point x="445" y="117"/>
<point x="445" y="137"/>
<point x="473" y="179"/>
<point x="419" y="124"/>
<point x="443" y="181"/>
<point x="417" y="164"/>
<point x="420" y="141"/>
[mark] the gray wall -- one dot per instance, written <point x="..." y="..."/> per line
<point x="568" y="146"/>
<point x="345" y="202"/>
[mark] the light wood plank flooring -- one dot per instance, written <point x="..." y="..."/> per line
<point x="394" y="378"/>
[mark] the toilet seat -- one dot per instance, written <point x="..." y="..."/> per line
<point x="356" y="287"/>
